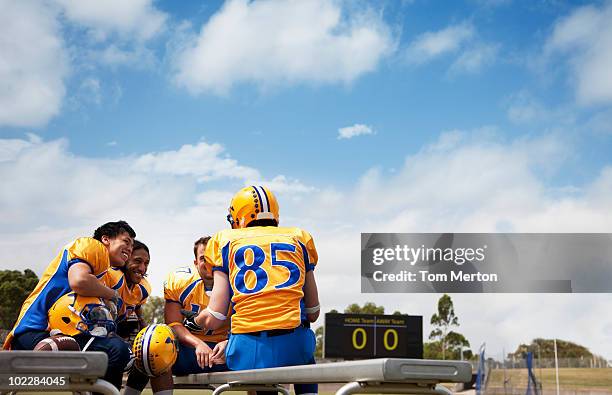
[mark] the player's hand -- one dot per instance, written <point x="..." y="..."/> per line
<point x="218" y="353"/>
<point x="202" y="353"/>
<point x="189" y="321"/>
<point x="112" y="304"/>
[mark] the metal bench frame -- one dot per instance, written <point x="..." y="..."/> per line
<point x="400" y="376"/>
<point x="83" y="370"/>
<point x="387" y="375"/>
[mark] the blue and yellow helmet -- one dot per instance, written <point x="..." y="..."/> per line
<point x="155" y="349"/>
<point x="250" y="204"/>
<point x="73" y="314"/>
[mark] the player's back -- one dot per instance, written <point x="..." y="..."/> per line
<point x="266" y="267"/>
<point x="54" y="283"/>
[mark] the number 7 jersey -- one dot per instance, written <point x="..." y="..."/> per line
<point x="266" y="267"/>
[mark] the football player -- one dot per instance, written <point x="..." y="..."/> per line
<point x="267" y="272"/>
<point x="187" y="288"/>
<point x="78" y="267"/>
<point x="133" y="288"/>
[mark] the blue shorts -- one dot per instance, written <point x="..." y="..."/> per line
<point x="256" y="352"/>
<point x="187" y="363"/>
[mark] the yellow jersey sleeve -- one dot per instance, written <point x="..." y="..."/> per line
<point x="175" y="283"/>
<point x="310" y="252"/>
<point x="92" y="252"/>
<point x="213" y="254"/>
<point x="145" y="290"/>
<point x="113" y="278"/>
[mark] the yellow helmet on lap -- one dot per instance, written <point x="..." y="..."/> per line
<point x="74" y="314"/>
<point x="250" y="204"/>
<point x="155" y="349"/>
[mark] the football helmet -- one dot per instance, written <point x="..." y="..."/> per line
<point x="155" y="349"/>
<point x="250" y="204"/>
<point x="74" y="314"/>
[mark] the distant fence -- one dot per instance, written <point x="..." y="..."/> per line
<point x="550" y="363"/>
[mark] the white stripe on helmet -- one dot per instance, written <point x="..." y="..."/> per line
<point x="146" y="340"/>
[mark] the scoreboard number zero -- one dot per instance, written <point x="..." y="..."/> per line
<point x="354" y="336"/>
<point x="359" y="344"/>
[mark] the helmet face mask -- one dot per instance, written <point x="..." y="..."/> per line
<point x="231" y="221"/>
<point x="98" y="320"/>
<point x="73" y="314"/>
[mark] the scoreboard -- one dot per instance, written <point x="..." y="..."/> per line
<point x="354" y="336"/>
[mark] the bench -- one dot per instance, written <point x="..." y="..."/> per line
<point x="81" y="371"/>
<point x="387" y="375"/>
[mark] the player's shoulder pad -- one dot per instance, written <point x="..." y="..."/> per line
<point x="145" y="286"/>
<point x="299" y="232"/>
<point x="91" y="251"/>
<point x="114" y="277"/>
<point x="181" y="277"/>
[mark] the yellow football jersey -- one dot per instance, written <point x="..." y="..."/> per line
<point x="185" y="287"/>
<point x="266" y="267"/>
<point x="129" y="298"/>
<point x="54" y="283"/>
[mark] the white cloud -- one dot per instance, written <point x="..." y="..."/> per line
<point x="524" y="108"/>
<point x="470" y="182"/>
<point x="202" y="161"/>
<point x="33" y="65"/>
<point x="90" y="90"/>
<point x="464" y="181"/>
<point x="273" y="43"/>
<point x="475" y="59"/>
<point x="430" y="45"/>
<point x="357" y="129"/>
<point x="585" y="37"/>
<point x="137" y="19"/>
<point x="114" y="56"/>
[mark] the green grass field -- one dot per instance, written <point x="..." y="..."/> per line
<point x="569" y="378"/>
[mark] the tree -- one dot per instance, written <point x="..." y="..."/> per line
<point x="449" y="342"/>
<point x="368" y="308"/>
<point x="544" y="348"/>
<point x="15" y="287"/>
<point x="319" y="348"/>
<point x="153" y="310"/>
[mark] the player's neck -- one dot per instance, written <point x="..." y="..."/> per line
<point x="208" y="284"/>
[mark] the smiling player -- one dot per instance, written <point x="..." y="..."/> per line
<point x="78" y="267"/>
<point x="133" y="288"/>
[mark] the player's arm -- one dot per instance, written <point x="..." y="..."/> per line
<point x="83" y="282"/>
<point x="173" y="317"/>
<point x="213" y="317"/>
<point x="311" y="297"/>
<point x="139" y="315"/>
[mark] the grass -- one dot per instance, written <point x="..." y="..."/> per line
<point x="569" y="378"/>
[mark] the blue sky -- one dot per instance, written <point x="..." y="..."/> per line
<point x="396" y="116"/>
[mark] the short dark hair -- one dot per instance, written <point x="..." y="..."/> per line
<point x="263" y="222"/>
<point x="201" y="241"/>
<point x="113" y="229"/>
<point x="139" y="245"/>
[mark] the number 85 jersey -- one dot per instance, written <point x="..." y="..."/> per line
<point x="266" y="267"/>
